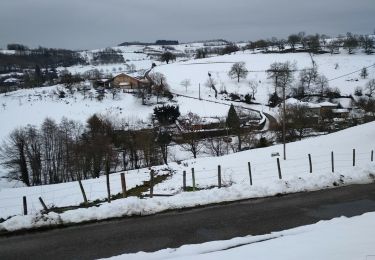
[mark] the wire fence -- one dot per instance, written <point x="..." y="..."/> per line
<point x="275" y="169"/>
<point x="251" y="172"/>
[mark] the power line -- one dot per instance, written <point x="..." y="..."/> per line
<point x="373" y="65"/>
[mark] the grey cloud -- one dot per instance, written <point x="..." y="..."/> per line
<point x="99" y="23"/>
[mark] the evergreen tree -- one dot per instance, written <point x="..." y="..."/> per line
<point x="233" y="122"/>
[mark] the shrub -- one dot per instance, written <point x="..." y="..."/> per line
<point x="248" y="98"/>
<point x="234" y="96"/>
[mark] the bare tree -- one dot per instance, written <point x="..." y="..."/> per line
<point x="216" y="146"/>
<point x="34" y="154"/>
<point x="364" y="73"/>
<point x="164" y="139"/>
<point x="321" y="83"/>
<point x="192" y="124"/>
<point x="132" y="68"/>
<point x="13" y="156"/>
<point x="334" y="46"/>
<point x="160" y="84"/>
<point x="367" y="44"/>
<point x="186" y="83"/>
<point x="370" y="87"/>
<point x="308" y="76"/>
<point x="238" y="71"/>
<point x="293" y="39"/>
<point x="254" y="87"/>
<point x="114" y="91"/>
<point x="250" y="139"/>
<point x="350" y="43"/>
<point x="281" y="74"/>
<point x="210" y="83"/>
<point x="297" y="121"/>
<point x="158" y="78"/>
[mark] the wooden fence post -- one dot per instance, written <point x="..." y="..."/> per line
<point x="82" y="191"/>
<point x="193" y="178"/>
<point x="43" y="204"/>
<point x="310" y="163"/>
<point x="107" y="169"/>
<point x="151" y="183"/>
<point x="372" y="155"/>
<point x="251" y="178"/>
<point x="279" y="168"/>
<point x="353" y="157"/>
<point x="184" y="180"/>
<point x="123" y="184"/>
<point x="219" y="176"/>
<point x="333" y="162"/>
<point x="24" y="205"/>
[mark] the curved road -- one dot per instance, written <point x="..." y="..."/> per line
<point x="176" y="228"/>
<point x="271" y="120"/>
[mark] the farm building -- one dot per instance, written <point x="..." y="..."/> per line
<point x="125" y="81"/>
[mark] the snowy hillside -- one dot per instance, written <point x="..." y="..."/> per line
<point x="197" y="72"/>
<point x="235" y="179"/>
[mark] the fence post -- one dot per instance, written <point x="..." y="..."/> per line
<point x="107" y="169"/>
<point x="279" y="168"/>
<point x="43" y="204"/>
<point x="219" y="176"/>
<point x="333" y="162"/>
<point x="152" y="183"/>
<point x="251" y="178"/>
<point x="184" y="180"/>
<point x="123" y="184"/>
<point x="83" y="191"/>
<point x="193" y="178"/>
<point x="372" y="155"/>
<point x="353" y="157"/>
<point x="24" y="205"/>
<point x="310" y="163"/>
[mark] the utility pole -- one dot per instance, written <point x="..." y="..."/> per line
<point x="199" y="91"/>
<point x="284" y="125"/>
<point x="282" y="75"/>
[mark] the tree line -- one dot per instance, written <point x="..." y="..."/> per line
<point x="107" y="56"/>
<point x="26" y="58"/>
<point x="69" y="151"/>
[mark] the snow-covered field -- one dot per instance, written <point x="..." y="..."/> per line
<point x="33" y="106"/>
<point x="339" y="238"/>
<point x="295" y="173"/>
<point x="197" y="72"/>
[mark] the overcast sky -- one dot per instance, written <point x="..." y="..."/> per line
<point x="87" y="24"/>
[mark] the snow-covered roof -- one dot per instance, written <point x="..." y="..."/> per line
<point x="11" y="80"/>
<point x="103" y="80"/>
<point x="327" y="104"/>
<point x="340" y="110"/>
<point x="293" y="101"/>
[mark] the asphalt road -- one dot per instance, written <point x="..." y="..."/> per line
<point x="173" y="229"/>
